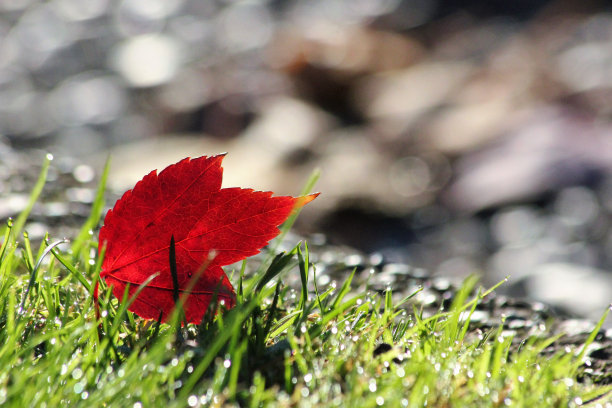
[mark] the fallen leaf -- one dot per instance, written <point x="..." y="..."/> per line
<point x="211" y="226"/>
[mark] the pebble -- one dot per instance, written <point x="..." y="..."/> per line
<point x="441" y="284"/>
<point x="381" y="281"/>
<point x="397" y="269"/>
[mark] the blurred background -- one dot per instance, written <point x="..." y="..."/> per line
<point x="457" y="136"/>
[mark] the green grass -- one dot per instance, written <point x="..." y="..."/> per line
<point x="277" y="347"/>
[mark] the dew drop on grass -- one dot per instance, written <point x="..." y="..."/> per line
<point x="400" y="372"/>
<point x="305" y="392"/>
<point x="174" y="362"/>
<point x="380" y="401"/>
<point x="495" y="397"/>
<point x="84" y="395"/>
<point x="227" y="363"/>
<point x="404" y="402"/>
<point x="372" y="386"/>
<point x="77" y="373"/>
<point x="192" y="401"/>
<point x="137" y="404"/>
<point x="207" y="397"/>
<point x="190" y="369"/>
<point x="78" y="387"/>
<point x="308" y="378"/>
<point x="482" y="390"/>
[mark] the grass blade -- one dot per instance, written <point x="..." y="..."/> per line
<point x="35" y="271"/>
<point x="308" y="187"/>
<point x="95" y="214"/>
<point x="72" y="270"/>
<point x="38" y="187"/>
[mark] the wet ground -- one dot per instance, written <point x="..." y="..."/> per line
<point x="65" y="205"/>
<point x="453" y="138"/>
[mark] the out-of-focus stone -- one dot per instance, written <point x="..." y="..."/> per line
<point x="464" y="127"/>
<point x="243" y="26"/>
<point x="131" y="162"/>
<point x="548" y="150"/>
<point x="360" y="171"/>
<point x="398" y="98"/>
<point x="147" y="60"/>
<point x="12" y="204"/>
<point x="575" y="288"/>
<point x="187" y="91"/>
<point x="88" y="98"/>
<point x="348" y="49"/>
<point x="285" y="125"/>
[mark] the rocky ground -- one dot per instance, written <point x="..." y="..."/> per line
<point x="457" y="136"/>
<point x="453" y="137"/>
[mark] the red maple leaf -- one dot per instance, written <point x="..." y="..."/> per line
<point x="211" y="226"/>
